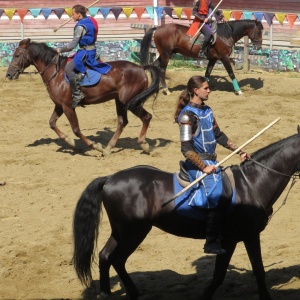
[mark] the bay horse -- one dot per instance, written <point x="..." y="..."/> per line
<point x="172" y="38"/>
<point x="126" y="83"/>
<point x="135" y="199"/>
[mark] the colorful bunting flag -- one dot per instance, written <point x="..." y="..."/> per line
<point x="178" y="12"/>
<point x="139" y="12"/>
<point x="59" y="12"/>
<point x="188" y="12"/>
<point x="258" y="16"/>
<point x="1" y="11"/>
<point x="280" y="17"/>
<point x="291" y="18"/>
<point x="9" y="12"/>
<point x="22" y="13"/>
<point x="104" y="11"/>
<point x="127" y="11"/>
<point x="269" y="18"/>
<point x="150" y="11"/>
<point x="247" y="15"/>
<point x="93" y="11"/>
<point x="116" y="11"/>
<point x="35" y="11"/>
<point x="237" y="15"/>
<point x="69" y="10"/>
<point x="46" y="12"/>
<point x="226" y="14"/>
<point x="168" y="11"/>
<point x="159" y="11"/>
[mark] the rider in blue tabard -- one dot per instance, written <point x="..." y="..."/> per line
<point x="85" y="35"/>
<point x="199" y="135"/>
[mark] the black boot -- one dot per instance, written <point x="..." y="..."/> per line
<point x="77" y="94"/>
<point x="202" y="53"/>
<point x="213" y="228"/>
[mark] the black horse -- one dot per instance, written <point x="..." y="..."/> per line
<point x="172" y="38"/>
<point x="133" y="199"/>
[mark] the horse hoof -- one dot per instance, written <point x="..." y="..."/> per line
<point x="145" y="147"/>
<point x="98" y="147"/>
<point x="70" y="141"/>
<point x="106" y="152"/>
<point x="239" y="93"/>
<point x="166" y="92"/>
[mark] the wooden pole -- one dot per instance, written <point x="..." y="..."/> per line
<point x="222" y="161"/>
<point x="71" y="18"/>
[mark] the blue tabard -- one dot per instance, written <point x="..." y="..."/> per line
<point x="209" y="189"/>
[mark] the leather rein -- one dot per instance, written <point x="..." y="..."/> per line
<point x="295" y="177"/>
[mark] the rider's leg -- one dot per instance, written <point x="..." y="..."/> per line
<point x="206" y="31"/>
<point x="213" y="230"/>
<point x="74" y="82"/>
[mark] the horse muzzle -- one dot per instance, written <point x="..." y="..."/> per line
<point x="12" y="74"/>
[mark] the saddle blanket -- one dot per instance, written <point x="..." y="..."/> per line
<point x="91" y="78"/>
<point x="182" y="206"/>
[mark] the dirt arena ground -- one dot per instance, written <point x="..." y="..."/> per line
<point x="44" y="178"/>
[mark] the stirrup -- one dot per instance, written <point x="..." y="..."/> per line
<point x="77" y="100"/>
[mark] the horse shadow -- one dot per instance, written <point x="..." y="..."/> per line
<point x="103" y="137"/>
<point x="221" y="83"/>
<point x="238" y="283"/>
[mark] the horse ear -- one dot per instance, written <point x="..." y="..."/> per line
<point x="298" y="129"/>
<point x="25" y="42"/>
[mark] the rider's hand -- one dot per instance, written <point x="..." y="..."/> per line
<point x="209" y="169"/>
<point x="244" y="156"/>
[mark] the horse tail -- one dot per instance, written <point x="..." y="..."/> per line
<point x="145" y="46"/>
<point x="85" y="228"/>
<point x="141" y="98"/>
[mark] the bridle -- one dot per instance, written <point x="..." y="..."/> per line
<point x="295" y="177"/>
<point x="20" y="70"/>
<point x="254" y="36"/>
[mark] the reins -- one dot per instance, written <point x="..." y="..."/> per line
<point x="295" y="177"/>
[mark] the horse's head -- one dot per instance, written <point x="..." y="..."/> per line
<point x="20" y="60"/>
<point x="255" y="35"/>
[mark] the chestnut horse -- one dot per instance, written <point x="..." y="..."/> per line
<point x="172" y="38"/>
<point x="134" y="200"/>
<point x="126" y="83"/>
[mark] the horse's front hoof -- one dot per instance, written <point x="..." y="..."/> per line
<point x="70" y="141"/>
<point x="145" y="147"/>
<point x="106" y="151"/>
<point x="97" y="147"/>
<point x="238" y="93"/>
<point x="166" y="91"/>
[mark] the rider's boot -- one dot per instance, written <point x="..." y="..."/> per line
<point x="202" y="53"/>
<point x="77" y="94"/>
<point x="213" y="229"/>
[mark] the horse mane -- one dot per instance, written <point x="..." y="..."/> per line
<point x="41" y="51"/>
<point x="230" y="28"/>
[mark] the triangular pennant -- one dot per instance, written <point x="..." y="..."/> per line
<point x="35" y="11"/>
<point x="104" y="11"/>
<point x="258" y="16"/>
<point x="159" y="11"/>
<point x="226" y="14"/>
<point x="269" y="18"/>
<point x="127" y="11"/>
<point x="280" y="17"/>
<point x="22" y="13"/>
<point x="9" y="12"/>
<point x="93" y="11"/>
<point x="298" y="16"/>
<point x="69" y="11"/>
<point x="168" y="11"/>
<point x="247" y="15"/>
<point x="149" y="10"/>
<point x="46" y="12"/>
<point x="178" y="12"/>
<point x="116" y="11"/>
<point x="188" y="12"/>
<point x="1" y="11"/>
<point x="237" y="15"/>
<point x="59" y="12"/>
<point x="139" y="11"/>
<point x="291" y="18"/>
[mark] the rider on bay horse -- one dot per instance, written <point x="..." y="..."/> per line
<point x="200" y="11"/>
<point x="85" y="35"/>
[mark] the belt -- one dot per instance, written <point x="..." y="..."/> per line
<point x="88" y="47"/>
<point x="208" y="156"/>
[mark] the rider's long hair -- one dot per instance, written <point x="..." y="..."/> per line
<point x="195" y="82"/>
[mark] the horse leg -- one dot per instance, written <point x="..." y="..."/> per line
<point x="73" y="120"/>
<point x="252" y="245"/>
<point x="162" y="62"/>
<point x="57" y="112"/>
<point x="122" y="121"/>
<point x="209" y="68"/>
<point x="131" y="238"/>
<point x="221" y="265"/>
<point x="145" y="117"/>
<point x="228" y="67"/>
